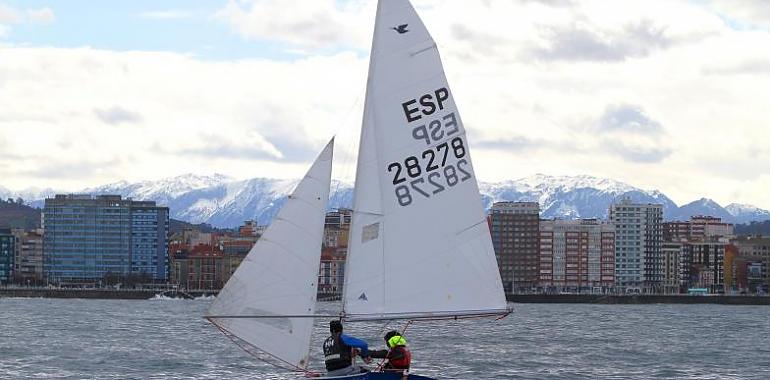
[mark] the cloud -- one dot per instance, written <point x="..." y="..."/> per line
<point x="250" y="147"/>
<point x="251" y="117"/>
<point x="626" y="131"/>
<point x="515" y="143"/>
<point x="630" y="152"/>
<point x="627" y="118"/>
<point x="578" y="42"/>
<point x="41" y="16"/>
<point x="71" y="169"/>
<point x="9" y="15"/>
<point x="116" y="115"/>
<point x="311" y="24"/>
<point x="553" y="3"/>
<point x="543" y="86"/>
<point x="523" y="144"/>
<point x="750" y="67"/>
<point x="747" y="13"/>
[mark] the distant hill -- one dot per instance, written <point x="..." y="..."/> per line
<point x="16" y="215"/>
<point x="753" y="228"/>
<point x="176" y="226"/>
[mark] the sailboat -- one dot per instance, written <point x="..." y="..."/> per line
<point x="419" y="248"/>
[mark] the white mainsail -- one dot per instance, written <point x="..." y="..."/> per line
<point x="278" y="278"/>
<point x="419" y="245"/>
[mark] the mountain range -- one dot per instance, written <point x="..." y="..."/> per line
<point x="226" y="202"/>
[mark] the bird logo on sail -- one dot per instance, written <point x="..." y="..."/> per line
<point x="401" y="29"/>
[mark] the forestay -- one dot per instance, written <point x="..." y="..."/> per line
<point x="279" y="275"/>
<point x="419" y="244"/>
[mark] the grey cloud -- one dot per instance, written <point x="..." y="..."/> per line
<point x="524" y="144"/>
<point x="748" y="68"/>
<point x="575" y="43"/>
<point x="69" y="170"/>
<point x="630" y="150"/>
<point x="221" y="150"/>
<point x="292" y="149"/>
<point x="516" y="143"/>
<point x="628" y="118"/>
<point x="637" y="154"/>
<point x="552" y="3"/>
<point x="482" y="45"/>
<point x="117" y="115"/>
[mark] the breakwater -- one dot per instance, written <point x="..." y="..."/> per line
<point x="130" y="294"/>
<point x="639" y="299"/>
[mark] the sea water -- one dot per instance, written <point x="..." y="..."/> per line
<point x="168" y="339"/>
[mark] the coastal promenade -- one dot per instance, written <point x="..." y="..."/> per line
<point x="99" y="293"/>
<point x="143" y="294"/>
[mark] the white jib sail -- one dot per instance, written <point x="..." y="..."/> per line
<point x="419" y="243"/>
<point x="279" y="275"/>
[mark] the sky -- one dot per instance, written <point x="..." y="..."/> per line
<point x="669" y="95"/>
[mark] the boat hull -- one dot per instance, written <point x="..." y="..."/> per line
<point x="377" y="376"/>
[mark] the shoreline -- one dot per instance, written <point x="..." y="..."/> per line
<point x="601" y="299"/>
<point x="104" y="294"/>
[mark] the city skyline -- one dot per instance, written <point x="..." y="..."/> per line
<point x="657" y="94"/>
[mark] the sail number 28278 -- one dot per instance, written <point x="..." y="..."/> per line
<point x="430" y="174"/>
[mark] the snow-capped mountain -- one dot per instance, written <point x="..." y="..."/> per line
<point x="571" y="197"/>
<point x="743" y="213"/>
<point x="230" y="204"/>
<point x="32" y="196"/>
<point x="163" y="190"/>
<point x="224" y="202"/>
<point x="703" y="206"/>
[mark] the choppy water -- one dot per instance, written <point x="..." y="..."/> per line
<point x="167" y="339"/>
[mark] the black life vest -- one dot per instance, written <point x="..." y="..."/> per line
<point x="336" y="353"/>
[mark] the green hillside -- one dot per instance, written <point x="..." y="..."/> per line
<point x="17" y="215"/>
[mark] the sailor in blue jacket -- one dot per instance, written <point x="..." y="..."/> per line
<point x="338" y="351"/>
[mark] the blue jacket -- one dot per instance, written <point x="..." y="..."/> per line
<point x="357" y="343"/>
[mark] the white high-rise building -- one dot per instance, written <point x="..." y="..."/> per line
<point x="638" y="243"/>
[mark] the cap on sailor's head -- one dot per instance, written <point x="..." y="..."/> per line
<point x="335" y="326"/>
<point x="391" y="334"/>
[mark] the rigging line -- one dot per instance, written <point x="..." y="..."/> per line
<point x="242" y="344"/>
<point x="472" y="226"/>
<point x="381" y="364"/>
<point x="432" y="46"/>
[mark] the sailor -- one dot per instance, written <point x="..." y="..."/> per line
<point x="397" y="355"/>
<point x="339" y="350"/>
